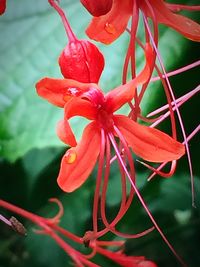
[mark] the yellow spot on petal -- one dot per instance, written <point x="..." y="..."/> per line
<point x="110" y="28"/>
<point x="70" y="156"/>
<point x="66" y="98"/>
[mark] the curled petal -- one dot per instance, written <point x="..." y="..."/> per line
<point x="80" y="107"/>
<point x="76" y="106"/>
<point x="185" y="26"/>
<point x="78" y="162"/>
<point x="125" y="93"/>
<point x="109" y="27"/>
<point x="60" y="91"/>
<point x="149" y="143"/>
<point x="65" y="133"/>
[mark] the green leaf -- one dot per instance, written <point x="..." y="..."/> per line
<point x="32" y="37"/>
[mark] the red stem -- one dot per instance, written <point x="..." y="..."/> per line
<point x="68" y="29"/>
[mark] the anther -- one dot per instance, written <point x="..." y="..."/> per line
<point x="17" y="226"/>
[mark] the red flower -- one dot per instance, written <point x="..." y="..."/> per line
<point x="2" y="6"/>
<point x="97" y="8"/>
<point x="87" y="100"/>
<point x="109" y="27"/>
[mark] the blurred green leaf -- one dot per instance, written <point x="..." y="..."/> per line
<point x="32" y="37"/>
<point x="31" y="40"/>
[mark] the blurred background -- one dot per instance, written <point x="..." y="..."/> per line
<point x="31" y="39"/>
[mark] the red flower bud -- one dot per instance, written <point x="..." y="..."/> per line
<point x="97" y="8"/>
<point x="2" y="6"/>
<point x="82" y="61"/>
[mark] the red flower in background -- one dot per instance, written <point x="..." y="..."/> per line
<point x="87" y="100"/>
<point x="2" y="6"/>
<point x="97" y="8"/>
<point x="109" y="27"/>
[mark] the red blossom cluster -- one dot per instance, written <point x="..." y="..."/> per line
<point x="78" y="93"/>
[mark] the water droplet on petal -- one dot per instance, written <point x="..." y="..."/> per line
<point x="110" y="28"/>
<point x="70" y="156"/>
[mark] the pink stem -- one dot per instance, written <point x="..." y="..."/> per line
<point x="68" y="29"/>
<point x="6" y="221"/>
<point x="179" y="101"/>
<point x="178" y="71"/>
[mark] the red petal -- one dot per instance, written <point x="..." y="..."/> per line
<point x="78" y="162"/>
<point x="59" y="91"/>
<point x="75" y="107"/>
<point x="149" y="143"/>
<point x="125" y="93"/>
<point x="80" y="107"/>
<point x="184" y="25"/>
<point x="65" y="133"/>
<point x="109" y="27"/>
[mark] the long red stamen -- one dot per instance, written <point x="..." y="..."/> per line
<point x="144" y="204"/>
<point x="179" y="101"/>
<point x="155" y="39"/>
<point x="130" y="55"/>
<point x="178" y="114"/>
<point x="166" y="89"/>
<point x="123" y="207"/>
<point x="158" y="172"/>
<point x="177" y="71"/>
<point x="177" y="7"/>
<point x="98" y="182"/>
<point x="134" y="25"/>
<point x="194" y="132"/>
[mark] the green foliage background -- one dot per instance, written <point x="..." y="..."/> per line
<point x="31" y="39"/>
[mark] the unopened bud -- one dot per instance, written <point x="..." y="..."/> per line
<point x="97" y="8"/>
<point x="82" y="61"/>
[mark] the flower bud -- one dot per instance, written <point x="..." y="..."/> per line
<point x="97" y="8"/>
<point x="82" y="61"/>
<point x="2" y="6"/>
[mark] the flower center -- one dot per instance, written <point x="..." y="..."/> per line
<point x="105" y="120"/>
